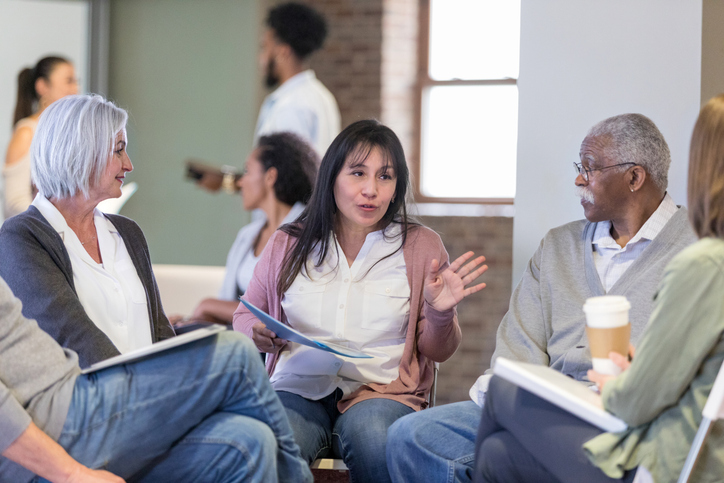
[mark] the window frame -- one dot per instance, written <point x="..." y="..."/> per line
<point x="423" y="83"/>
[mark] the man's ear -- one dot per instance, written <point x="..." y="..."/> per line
<point x="637" y="177"/>
<point x="284" y="51"/>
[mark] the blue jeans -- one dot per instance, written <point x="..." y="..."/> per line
<point x="437" y="444"/>
<point x="204" y="412"/>
<point x="358" y="435"/>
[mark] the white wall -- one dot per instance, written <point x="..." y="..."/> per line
<point x="582" y="61"/>
<point x="32" y="29"/>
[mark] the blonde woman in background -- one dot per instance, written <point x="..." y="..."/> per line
<point x="51" y="79"/>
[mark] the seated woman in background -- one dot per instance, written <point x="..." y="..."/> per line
<point x="278" y="180"/>
<point x="51" y="79"/>
<point x="83" y="275"/>
<point x="353" y="270"/>
<point x="661" y="393"/>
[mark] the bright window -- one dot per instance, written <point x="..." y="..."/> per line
<point x="470" y="100"/>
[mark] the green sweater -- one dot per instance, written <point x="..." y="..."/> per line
<point x="661" y="396"/>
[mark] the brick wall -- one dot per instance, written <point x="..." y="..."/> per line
<point x="350" y="63"/>
<point x="480" y="313"/>
<point x="399" y="69"/>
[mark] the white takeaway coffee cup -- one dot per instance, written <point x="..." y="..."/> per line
<point x="608" y="330"/>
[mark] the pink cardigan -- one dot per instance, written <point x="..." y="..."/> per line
<point x="432" y="336"/>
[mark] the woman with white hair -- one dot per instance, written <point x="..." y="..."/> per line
<point x="85" y="276"/>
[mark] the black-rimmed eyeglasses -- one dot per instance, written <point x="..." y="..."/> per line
<point x="584" y="171"/>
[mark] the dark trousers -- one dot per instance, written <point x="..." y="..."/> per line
<point x="525" y="438"/>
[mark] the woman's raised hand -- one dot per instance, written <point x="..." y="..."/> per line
<point x="445" y="289"/>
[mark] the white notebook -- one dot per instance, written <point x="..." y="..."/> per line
<point x="560" y="390"/>
<point x="164" y="345"/>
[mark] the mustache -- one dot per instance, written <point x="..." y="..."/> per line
<point x="585" y="194"/>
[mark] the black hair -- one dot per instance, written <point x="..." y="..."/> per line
<point x="27" y="96"/>
<point x="316" y="223"/>
<point x="295" y="162"/>
<point x="299" y="26"/>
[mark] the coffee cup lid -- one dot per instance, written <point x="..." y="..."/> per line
<point x="606" y="303"/>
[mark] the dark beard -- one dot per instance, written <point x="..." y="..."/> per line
<point x="271" y="79"/>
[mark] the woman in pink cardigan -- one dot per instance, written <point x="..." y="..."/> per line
<point x="354" y="271"/>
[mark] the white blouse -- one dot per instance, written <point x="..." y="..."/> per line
<point x="110" y="292"/>
<point x="365" y="306"/>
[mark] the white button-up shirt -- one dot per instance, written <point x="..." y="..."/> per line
<point x="365" y="306"/>
<point x="111" y="292"/>
<point x="612" y="260"/>
<point x="301" y="105"/>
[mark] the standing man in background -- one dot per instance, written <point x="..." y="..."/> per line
<point x="300" y="104"/>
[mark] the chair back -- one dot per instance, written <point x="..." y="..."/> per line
<point x="714" y="408"/>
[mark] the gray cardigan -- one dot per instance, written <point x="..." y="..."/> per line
<point x="545" y="323"/>
<point x="36" y="266"/>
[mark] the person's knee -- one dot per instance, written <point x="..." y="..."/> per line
<point x="238" y="347"/>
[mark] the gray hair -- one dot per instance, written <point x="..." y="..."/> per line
<point x="636" y="139"/>
<point x="72" y="143"/>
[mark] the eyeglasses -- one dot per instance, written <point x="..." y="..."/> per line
<point x="584" y="172"/>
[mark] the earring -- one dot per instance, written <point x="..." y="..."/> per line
<point x="632" y="190"/>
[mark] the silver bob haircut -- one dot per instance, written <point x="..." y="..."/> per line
<point x="636" y="139"/>
<point x="72" y="143"/>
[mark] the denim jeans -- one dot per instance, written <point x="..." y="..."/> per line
<point x="437" y="444"/>
<point x="203" y="412"/>
<point x="358" y="436"/>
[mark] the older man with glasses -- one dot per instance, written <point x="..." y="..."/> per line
<point x="631" y="231"/>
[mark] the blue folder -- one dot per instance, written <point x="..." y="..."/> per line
<point x="286" y="332"/>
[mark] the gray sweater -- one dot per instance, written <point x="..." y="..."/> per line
<point x="36" y="266"/>
<point x="545" y="323"/>
<point x="37" y="378"/>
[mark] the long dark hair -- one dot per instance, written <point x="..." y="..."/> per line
<point x="27" y="96"/>
<point x="316" y="223"/>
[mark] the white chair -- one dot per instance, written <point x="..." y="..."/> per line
<point x="182" y="287"/>
<point x="338" y="465"/>
<point x="713" y="411"/>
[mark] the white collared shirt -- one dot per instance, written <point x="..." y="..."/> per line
<point x="365" y="306"/>
<point x="111" y="292"/>
<point x="612" y="260"/>
<point x="301" y="105"/>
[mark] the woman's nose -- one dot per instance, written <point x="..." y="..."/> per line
<point x="370" y="188"/>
